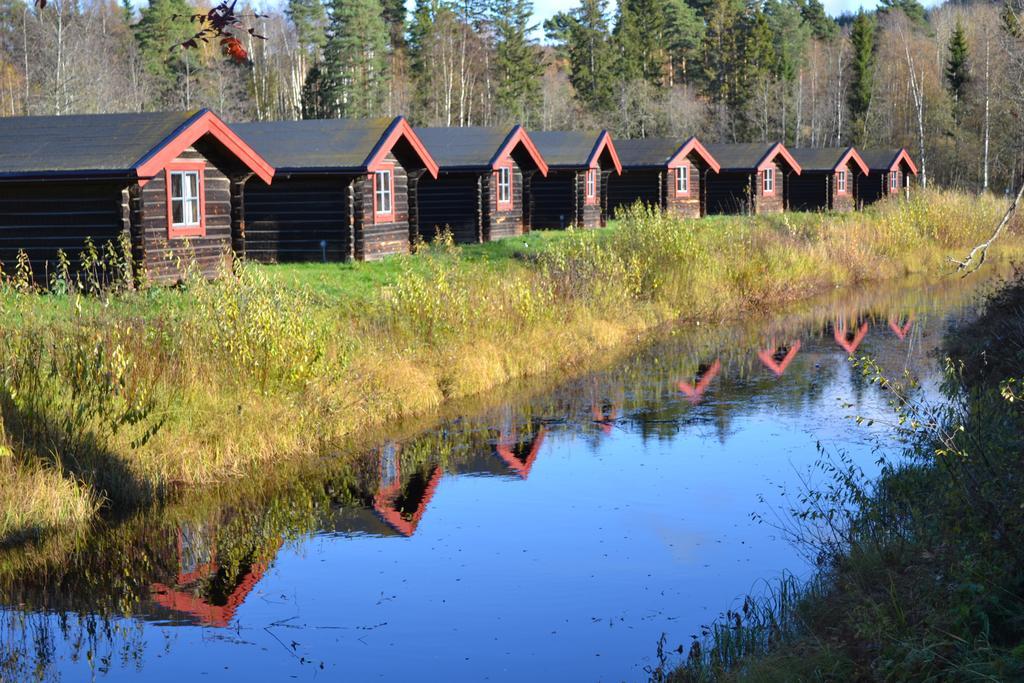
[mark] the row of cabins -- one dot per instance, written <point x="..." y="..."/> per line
<point x="186" y="183"/>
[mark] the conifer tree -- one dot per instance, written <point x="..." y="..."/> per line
<point x="585" y="40"/>
<point x="162" y="26"/>
<point x="862" y="38"/>
<point x="640" y="38"/>
<point x="684" y="33"/>
<point x="353" y="78"/>
<point x="310" y="21"/>
<point x="957" y="72"/>
<point x="518" y="64"/>
<point x="394" y="15"/>
<point x="823" y="27"/>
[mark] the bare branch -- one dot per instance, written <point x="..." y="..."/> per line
<point x="977" y="256"/>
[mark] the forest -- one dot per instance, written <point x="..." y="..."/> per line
<point x="946" y="82"/>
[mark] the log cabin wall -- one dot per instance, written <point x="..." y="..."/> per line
<point x="729" y="192"/>
<point x="557" y="199"/>
<point x="590" y="214"/>
<point x="42" y="217"/>
<point x="163" y="257"/>
<point x="846" y="201"/>
<point x="811" y="191"/>
<point x="452" y="201"/>
<point x="689" y="203"/>
<point x="635" y="185"/>
<point x="776" y="201"/>
<point x="500" y="223"/>
<point x="375" y="238"/>
<point x="287" y="221"/>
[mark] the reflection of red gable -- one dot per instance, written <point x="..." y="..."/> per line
<point x="849" y="341"/>
<point x="777" y="361"/>
<point x="606" y="421"/>
<point x="181" y="600"/>
<point x="901" y="330"/>
<point x="695" y="392"/>
<point x="385" y="503"/>
<point x="506" y="450"/>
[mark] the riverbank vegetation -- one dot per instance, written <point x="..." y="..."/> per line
<point x="919" y="571"/>
<point x="117" y="396"/>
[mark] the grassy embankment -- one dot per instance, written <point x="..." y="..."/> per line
<point x="117" y="397"/>
<point x="920" y="574"/>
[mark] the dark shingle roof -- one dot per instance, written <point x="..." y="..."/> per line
<point x="470" y="147"/>
<point x="320" y="144"/>
<point x="740" y="157"/>
<point x="564" y="147"/>
<point x="880" y="159"/>
<point x="648" y="152"/>
<point x="100" y="143"/>
<point x="818" y="158"/>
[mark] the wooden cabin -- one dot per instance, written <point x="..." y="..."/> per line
<point x="754" y="178"/>
<point x="169" y="182"/>
<point x="829" y="179"/>
<point x="345" y="189"/>
<point x="574" y="190"/>
<point x="889" y="171"/>
<point x="482" y="191"/>
<point x="662" y="173"/>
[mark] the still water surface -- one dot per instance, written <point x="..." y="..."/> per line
<point x="551" y="533"/>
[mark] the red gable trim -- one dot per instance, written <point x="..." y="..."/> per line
<point x="903" y="155"/>
<point x="516" y="136"/>
<point x="508" y="456"/>
<point x="398" y="129"/>
<point x="203" y="123"/>
<point x="694" y="145"/>
<point x="851" y="154"/>
<point x="778" y="149"/>
<point x="604" y="141"/>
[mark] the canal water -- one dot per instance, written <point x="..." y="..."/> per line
<point x="551" y="531"/>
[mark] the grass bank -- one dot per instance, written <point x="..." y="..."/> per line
<point x="920" y="571"/>
<point x="118" y="396"/>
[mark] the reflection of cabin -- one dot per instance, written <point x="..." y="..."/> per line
<point x="889" y="171"/>
<point x="517" y="453"/>
<point x="778" y="358"/>
<point x="847" y="338"/>
<point x="702" y="380"/>
<point x="754" y="178"/>
<point x="664" y="173"/>
<point x="402" y="501"/>
<point x="345" y="189"/>
<point x="574" y="190"/>
<point x="482" y="190"/>
<point x="829" y="179"/>
<point x="170" y="182"/>
<point x="202" y="589"/>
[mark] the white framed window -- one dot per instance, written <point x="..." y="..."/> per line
<point x="894" y="181"/>
<point x="505" y="185"/>
<point x="841" y="182"/>
<point x="186" y="208"/>
<point x="591" y="183"/>
<point x="768" y="180"/>
<point x="383" y="192"/>
<point x="682" y="180"/>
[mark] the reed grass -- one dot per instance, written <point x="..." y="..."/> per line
<point x="138" y="391"/>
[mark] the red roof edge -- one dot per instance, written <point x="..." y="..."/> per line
<point x="777" y="149"/>
<point x="904" y="155"/>
<point x="203" y="123"/>
<point x="852" y="153"/>
<point x="400" y="128"/>
<point x="695" y="145"/>
<point x="519" y="135"/>
<point x="604" y="141"/>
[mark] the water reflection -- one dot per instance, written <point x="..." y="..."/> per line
<point x="540" y="515"/>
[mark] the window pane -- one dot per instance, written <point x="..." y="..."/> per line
<point x="175" y="185"/>
<point x="177" y="211"/>
<point x="193" y="184"/>
<point x="193" y="211"/>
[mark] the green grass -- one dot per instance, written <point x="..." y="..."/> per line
<point x="136" y="393"/>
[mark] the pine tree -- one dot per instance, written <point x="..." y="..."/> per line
<point x="518" y="64"/>
<point x="914" y="10"/>
<point x="162" y="26"/>
<point x="684" y="32"/>
<point x="640" y="38"/>
<point x="823" y="27"/>
<point x="353" y="78"/>
<point x="862" y="38"/>
<point x="310" y="21"/>
<point x="394" y="15"/>
<point x="585" y="41"/>
<point x="957" y="71"/>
